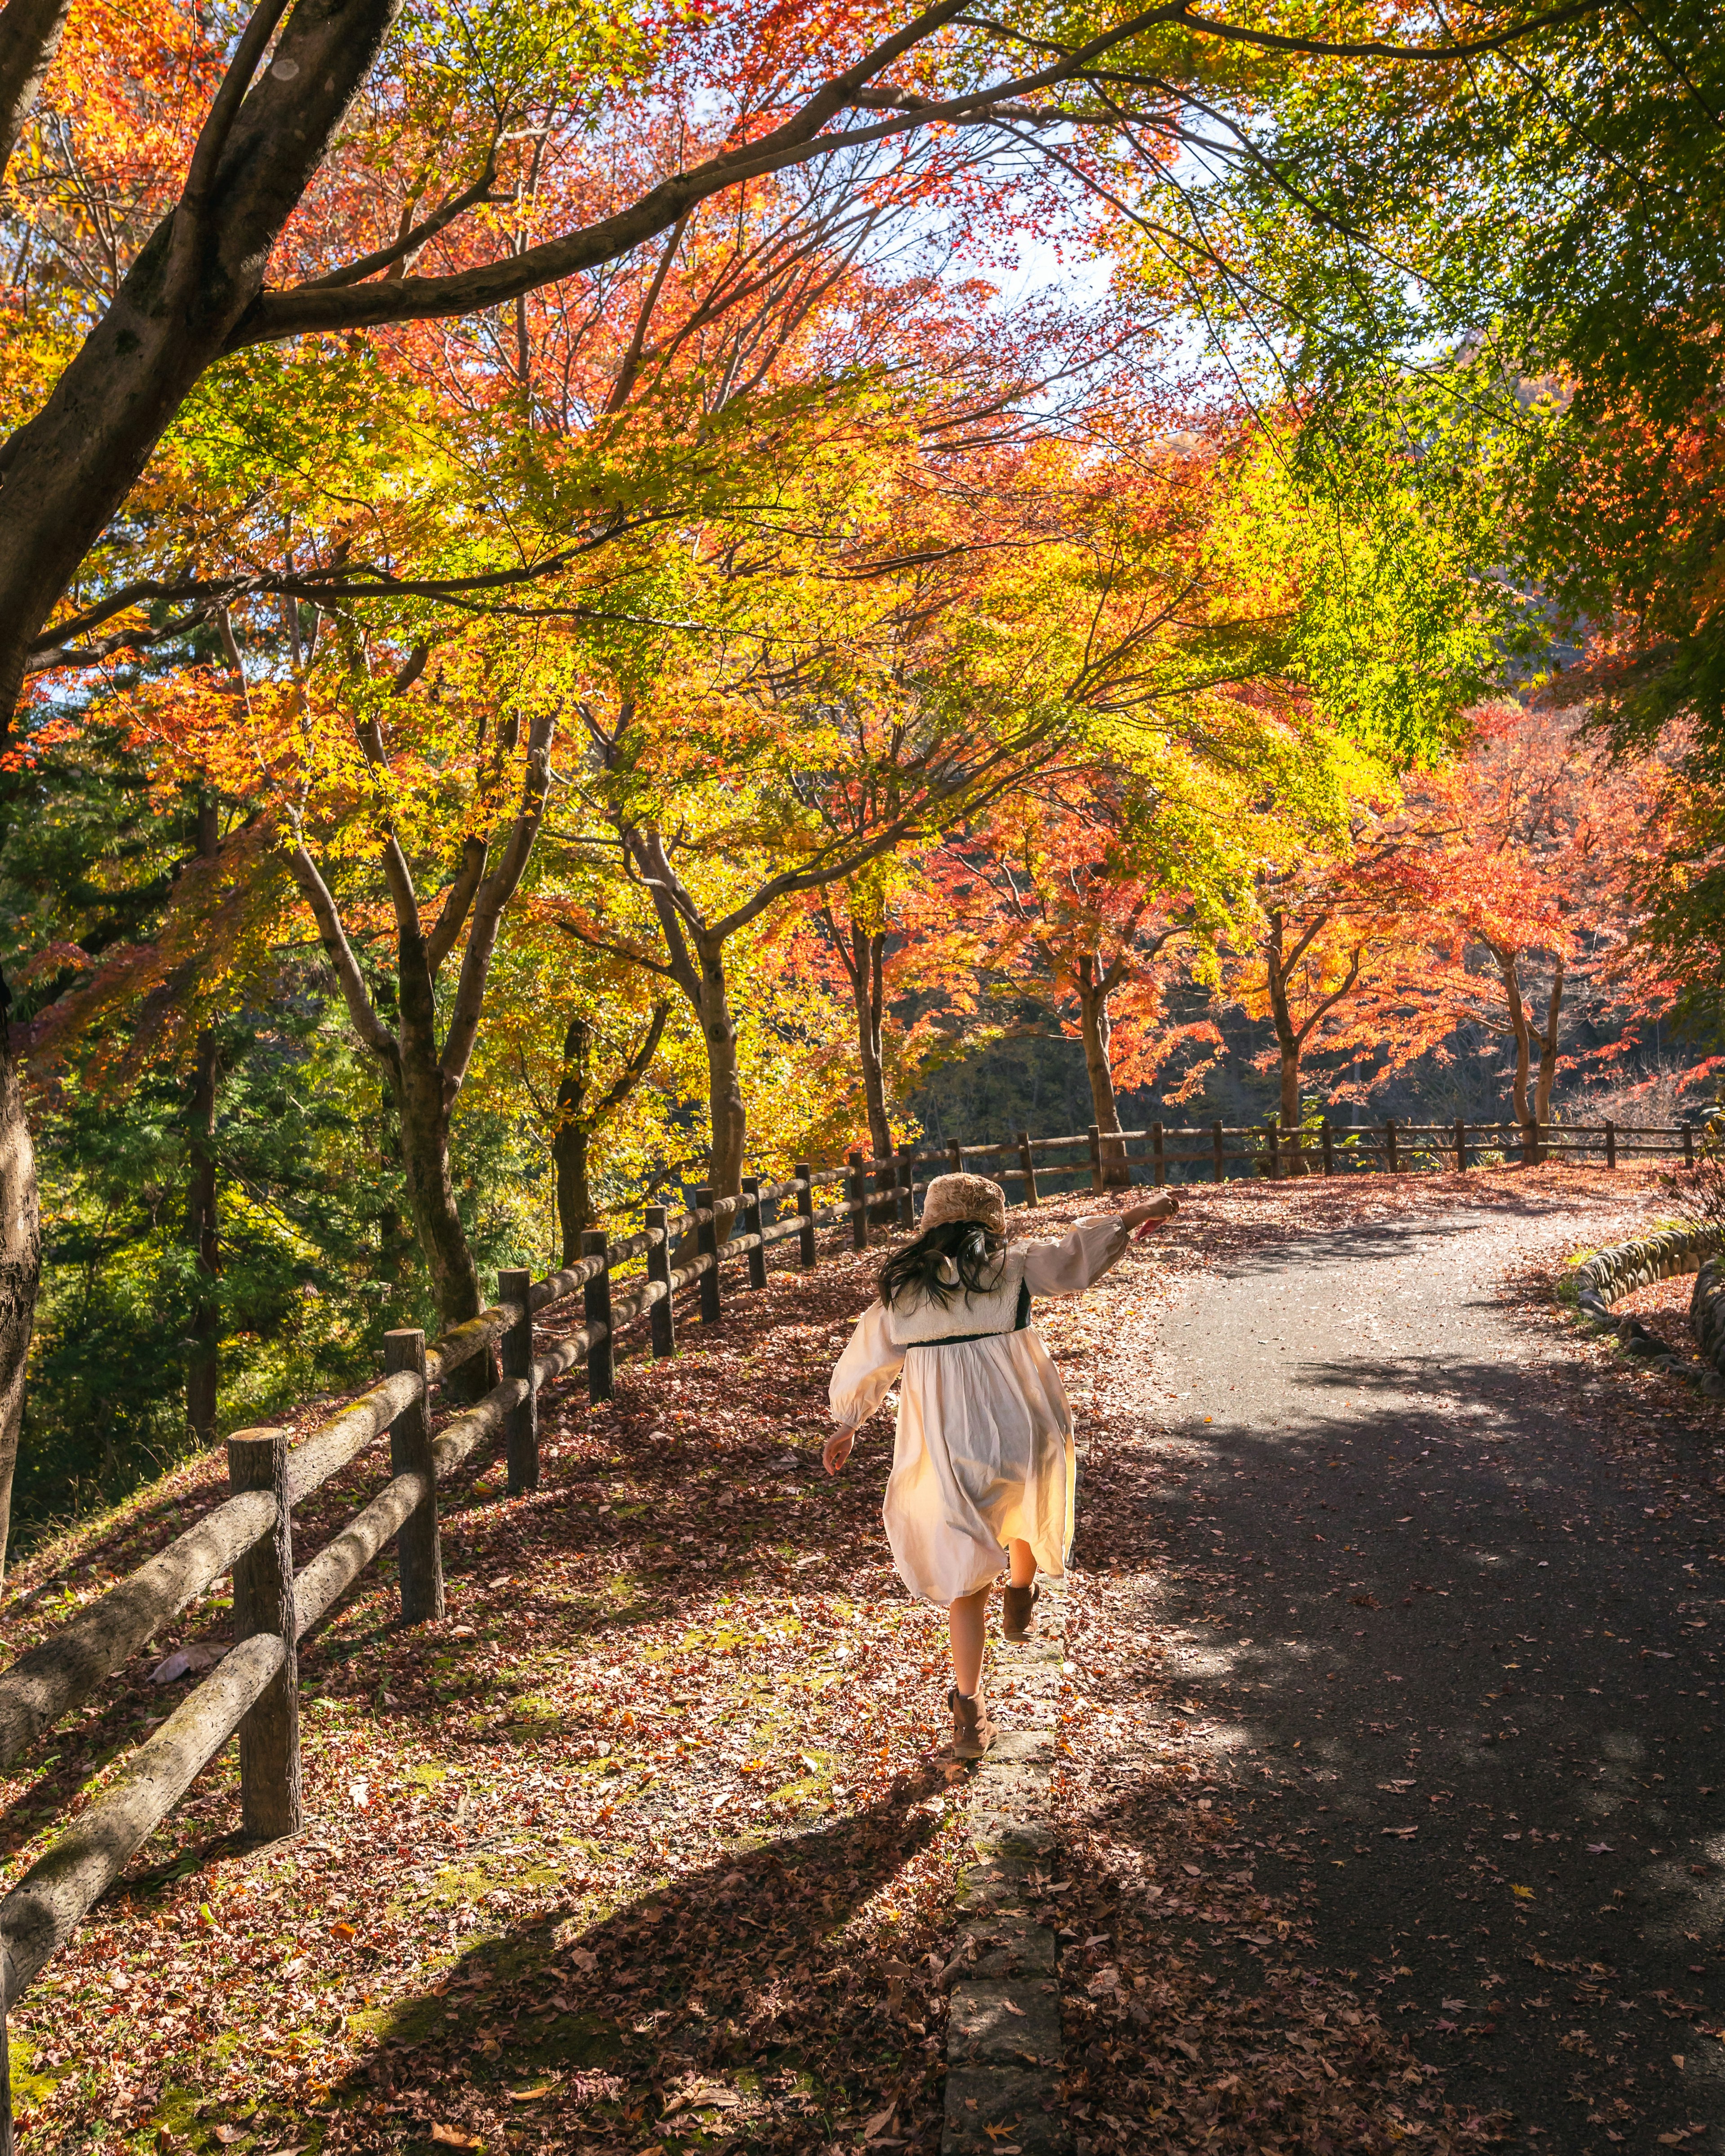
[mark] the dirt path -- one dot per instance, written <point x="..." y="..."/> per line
<point x="1440" y="1640"/>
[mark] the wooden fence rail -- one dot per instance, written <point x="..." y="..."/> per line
<point x="253" y="1690"/>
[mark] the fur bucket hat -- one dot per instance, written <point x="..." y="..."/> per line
<point x="964" y="1198"/>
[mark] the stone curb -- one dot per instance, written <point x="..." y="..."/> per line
<point x="1003" y="2034"/>
<point x="1610" y="1273"/>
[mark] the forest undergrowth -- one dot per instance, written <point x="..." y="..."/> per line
<point x="649" y="1845"/>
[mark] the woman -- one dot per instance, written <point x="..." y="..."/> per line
<point x="984" y="1461"/>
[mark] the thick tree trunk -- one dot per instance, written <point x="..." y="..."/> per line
<point x="569" y="1146"/>
<point x="30" y="38"/>
<point x="20" y="1270"/>
<point x="1096" y="1030"/>
<point x="202" y="1362"/>
<point x="68" y="468"/>
<point x="867" y="954"/>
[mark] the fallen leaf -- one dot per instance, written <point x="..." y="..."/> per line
<point x="452" y="2136"/>
<point x="184" y="1662"/>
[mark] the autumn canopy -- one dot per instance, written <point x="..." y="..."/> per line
<point x="592" y="597"/>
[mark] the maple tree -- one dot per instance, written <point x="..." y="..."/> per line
<point x="1534" y="852"/>
<point x="1330" y="951"/>
<point x="441" y="218"/>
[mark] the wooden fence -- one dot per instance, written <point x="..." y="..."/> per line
<point x="255" y="1689"/>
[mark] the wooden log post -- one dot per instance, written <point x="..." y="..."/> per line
<point x="752" y="1226"/>
<point x="270" y="1804"/>
<point x="706" y="1245"/>
<point x="1530" y="1144"/>
<point x="805" y="1213"/>
<point x="1610" y="1142"/>
<point x="1688" y="1145"/>
<point x="1027" y="1161"/>
<point x="1327" y="1139"/>
<point x="1095" y="1157"/>
<point x="1272" y="1145"/>
<point x="858" y="1186"/>
<point x="664" y="1319"/>
<point x="906" y="1184"/>
<point x="1390" y="1160"/>
<point x="595" y="1310"/>
<point x="1159" y="1169"/>
<point x="520" y="1429"/>
<point x="418" y="1547"/>
<point x="1460" y="1146"/>
<point x="1220" y="1172"/>
<point x="955" y="1156"/>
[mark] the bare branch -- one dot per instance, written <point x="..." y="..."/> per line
<point x="366" y="1023"/>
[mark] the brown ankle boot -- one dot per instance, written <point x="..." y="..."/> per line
<point x="972" y="1733"/>
<point x="1018" y="1611"/>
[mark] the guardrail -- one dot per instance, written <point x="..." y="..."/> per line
<point x="255" y="1689"/>
<point x="1271" y="1149"/>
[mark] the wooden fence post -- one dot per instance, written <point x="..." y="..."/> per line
<point x="270" y="1799"/>
<point x="1688" y="1145"/>
<point x="1460" y="1146"/>
<point x="418" y="1550"/>
<point x="706" y="1245"/>
<point x="906" y="1184"/>
<point x="805" y="1213"/>
<point x="595" y="1310"/>
<point x="1272" y="1145"/>
<point x="663" y="1320"/>
<point x="752" y="1226"/>
<point x="1389" y="1153"/>
<point x="1095" y="1157"/>
<point x="521" y="1427"/>
<point x="1027" y="1161"/>
<point x="859" y="1187"/>
<point x="7" y="2145"/>
<point x="1221" y="1172"/>
<point x="1530" y="1144"/>
<point x="1610" y="1142"/>
<point x="1327" y="1139"/>
<point x="1158" y="1171"/>
<point x="955" y="1156"/>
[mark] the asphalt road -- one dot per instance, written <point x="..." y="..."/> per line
<point x="1465" y="1655"/>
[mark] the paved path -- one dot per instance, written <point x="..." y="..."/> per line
<point x="1469" y="1671"/>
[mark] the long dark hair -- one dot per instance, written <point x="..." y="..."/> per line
<point x="916" y="1270"/>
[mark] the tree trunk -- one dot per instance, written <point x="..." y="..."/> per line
<point x="1094" y="1025"/>
<point x="1519" y="1029"/>
<point x="1549" y="1047"/>
<point x="202" y="1363"/>
<point x="20" y="1270"/>
<point x="568" y="1147"/>
<point x="203" y="1366"/>
<point x="1289" y="1039"/>
<point x="729" y="1117"/>
<point x="868" y="954"/>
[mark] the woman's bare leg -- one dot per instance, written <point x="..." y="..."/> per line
<point x="1023" y="1559"/>
<point x="968" y="1620"/>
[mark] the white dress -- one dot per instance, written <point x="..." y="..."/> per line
<point x="984" y="1450"/>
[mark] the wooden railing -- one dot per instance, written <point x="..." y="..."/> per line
<point x="255" y="1689"/>
<point x="1268" y="1148"/>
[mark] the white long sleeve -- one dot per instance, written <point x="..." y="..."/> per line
<point x="863" y="1373"/>
<point x="1069" y="1266"/>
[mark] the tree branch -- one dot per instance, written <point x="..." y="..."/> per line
<point x="366" y="1023"/>
<point x="491" y="898"/>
